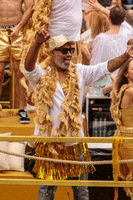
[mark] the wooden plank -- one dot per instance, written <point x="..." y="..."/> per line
<point x="5" y="181"/>
<point x="61" y="139"/>
<point x="15" y="174"/>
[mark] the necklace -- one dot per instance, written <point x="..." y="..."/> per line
<point x="63" y="85"/>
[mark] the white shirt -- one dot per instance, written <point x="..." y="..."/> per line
<point x="86" y="74"/>
<point x="106" y="47"/>
<point x="86" y="36"/>
<point x="85" y="5"/>
<point x="66" y="19"/>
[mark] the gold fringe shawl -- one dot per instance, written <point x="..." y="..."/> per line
<point x="117" y="146"/>
<point x="42" y="99"/>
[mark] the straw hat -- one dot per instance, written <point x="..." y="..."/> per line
<point x="58" y="41"/>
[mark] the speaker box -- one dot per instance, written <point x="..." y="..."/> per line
<point x="103" y="172"/>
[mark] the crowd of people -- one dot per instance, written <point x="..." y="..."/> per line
<point x="58" y="79"/>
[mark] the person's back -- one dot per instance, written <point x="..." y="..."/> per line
<point x="66" y="18"/>
<point x="113" y="42"/>
<point x="107" y="46"/>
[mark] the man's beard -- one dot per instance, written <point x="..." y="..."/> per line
<point x="60" y="64"/>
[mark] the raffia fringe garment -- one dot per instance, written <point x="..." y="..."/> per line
<point x="125" y="129"/>
<point x="58" y="171"/>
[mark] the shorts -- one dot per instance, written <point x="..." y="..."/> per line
<point x="12" y="48"/>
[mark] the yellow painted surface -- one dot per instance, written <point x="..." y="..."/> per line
<point x="12" y="124"/>
<point x="18" y="192"/>
<point x="11" y="192"/>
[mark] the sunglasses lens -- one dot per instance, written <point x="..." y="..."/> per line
<point x="65" y="51"/>
<point x="72" y="51"/>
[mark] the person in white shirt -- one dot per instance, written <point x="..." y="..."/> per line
<point x="66" y="19"/>
<point x="110" y="44"/>
<point x="58" y="89"/>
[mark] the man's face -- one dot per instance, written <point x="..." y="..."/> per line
<point x="63" y="56"/>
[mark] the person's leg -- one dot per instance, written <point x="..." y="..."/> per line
<point x="47" y="192"/>
<point x="81" y="192"/>
<point x="2" y="67"/>
<point x="20" y="91"/>
<point x="19" y="88"/>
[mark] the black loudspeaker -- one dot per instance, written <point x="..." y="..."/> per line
<point x="103" y="172"/>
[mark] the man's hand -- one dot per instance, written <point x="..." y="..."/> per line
<point x="31" y="58"/>
<point x="106" y="90"/>
<point x="95" y="4"/>
<point x="88" y="11"/>
<point x="15" y="32"/>
<point x="42" y="37"/>
<point x="113" y="76"/>
<point x="129" y="51"/>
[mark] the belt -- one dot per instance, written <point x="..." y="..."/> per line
<point x="5" y="27"/>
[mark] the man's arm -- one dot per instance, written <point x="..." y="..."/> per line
<point x="27" y="14"/>
<point x="34" y="50"/>
<point x="116" y="63"/>
<point x="97" y="6"/>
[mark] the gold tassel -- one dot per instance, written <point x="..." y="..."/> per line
<point x="117" y="145"/>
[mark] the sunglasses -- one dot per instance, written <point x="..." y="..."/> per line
<point x="65" y="50"/>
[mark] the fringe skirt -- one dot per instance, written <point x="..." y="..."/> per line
<point x="61" y="171"/>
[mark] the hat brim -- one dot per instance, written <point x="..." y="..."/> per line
<point x="59" y="41"/>
<point x="70" y="42"/>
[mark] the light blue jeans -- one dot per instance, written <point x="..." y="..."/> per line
<point x="79" y="193"/>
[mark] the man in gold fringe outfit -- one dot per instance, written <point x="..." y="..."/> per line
<point x="58" y="89"/>
<point x="12" y="20"/>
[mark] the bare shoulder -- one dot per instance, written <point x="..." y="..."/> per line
<point x="129" y="94"/>
<point x="129" y="91"/>
<point x="127" y="99"/>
